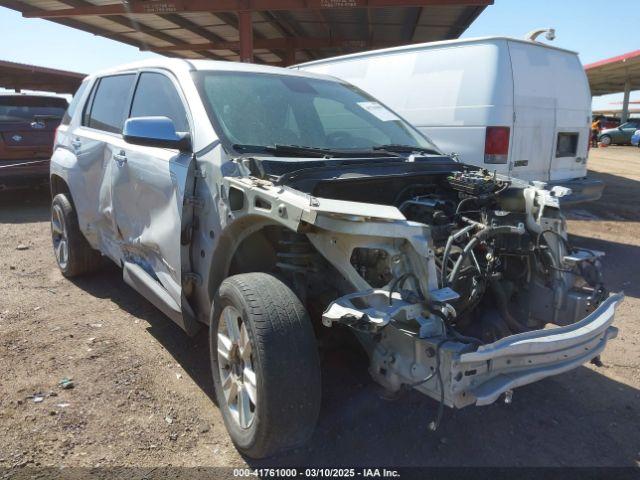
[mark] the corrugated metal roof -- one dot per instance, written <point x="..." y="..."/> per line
<point x="331" y="27"/>
<point x="20" y="76"/>
<point x="612" y="74"/>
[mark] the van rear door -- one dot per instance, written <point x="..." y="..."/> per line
<point x="573" y="118"/>
<point x="552" y="108"/>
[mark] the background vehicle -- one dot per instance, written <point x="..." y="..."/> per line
<point x="620" y="135"/>
<point x="517" y="107"/>
<point x="607" y="122"/>
<point x="27" y="127"/>
<point x="269" y="204"/>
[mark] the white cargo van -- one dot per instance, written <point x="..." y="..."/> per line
<point x="515" y="106"/>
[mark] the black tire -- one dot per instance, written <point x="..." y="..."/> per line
<point x="605" y="140"/>
<point x="284" y="357"/>
<point x="80" y="258"/>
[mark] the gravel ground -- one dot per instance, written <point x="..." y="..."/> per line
<point x="142" y="393"/>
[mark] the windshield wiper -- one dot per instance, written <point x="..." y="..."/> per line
<point x="315" y="152"/>
<point x="293" y="150"/>
<point x="303" y="150"/>
<point x="394" y="147"/>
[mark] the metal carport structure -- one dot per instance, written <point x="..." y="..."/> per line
<point x="18" y="76"/>
<point x="279" y="32"/>
<point x="614" y="75"/>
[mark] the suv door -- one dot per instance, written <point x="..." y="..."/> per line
<point x="101" y="125"/>
<point x="148" y="189"/>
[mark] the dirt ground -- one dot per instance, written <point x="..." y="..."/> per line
<point x="143" y="396"/>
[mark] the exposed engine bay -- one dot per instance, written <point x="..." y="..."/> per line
<point x="459" y="283"/>
<point x="510" y="274"/>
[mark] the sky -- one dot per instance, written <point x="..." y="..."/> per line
<point x="595" y="29"/>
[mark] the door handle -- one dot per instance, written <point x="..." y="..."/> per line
<point x="120" y="158"/>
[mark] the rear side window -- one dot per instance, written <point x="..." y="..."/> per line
<point x="156" y="96"/>
<point x="111" y="103"/>
<point x="68" y="115"/>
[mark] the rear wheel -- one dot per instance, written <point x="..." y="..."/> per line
<point x="73" y="253"/>
<point x="605" y="140"/>
<point x="265" y="364"/>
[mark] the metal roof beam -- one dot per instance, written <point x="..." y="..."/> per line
<point x="23" y="68"/>
<point x="159" y="7"/>
<point x="279" y="44"/>
<point x="76" y="24"/>
<point x="232" y="20"/>
<point x="119" y="19"/>
<point x="128" y="22"/>
<point x="32" y="77"/>
<point x="463" y="22"/>
<point x="410" y="23"/>
<point x="193" y="28"/>
<point x="292" y="30"/>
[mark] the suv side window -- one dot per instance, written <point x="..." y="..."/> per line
<point x="86" y="111"/>
<point x="110" y="103"/>
<point x="68" y="115"/>
<point x="156" y="95"/>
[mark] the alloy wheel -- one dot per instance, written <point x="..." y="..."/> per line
<point x="236" y="367"/>
<point x="59" y="235"/>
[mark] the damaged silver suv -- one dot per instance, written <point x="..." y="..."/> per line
<point x="271" y="205"/>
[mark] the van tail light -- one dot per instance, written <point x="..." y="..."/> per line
<point x="496" y="145"/>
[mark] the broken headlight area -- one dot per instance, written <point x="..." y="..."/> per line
<point x="507" y="299"/>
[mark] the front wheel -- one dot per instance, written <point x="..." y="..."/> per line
<point x="605" y="140"/>
<point x="265" y="364"/>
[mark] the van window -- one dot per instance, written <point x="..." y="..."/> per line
<point x="110" y="103"/>
<point x="68" y="115"/>
<point x="146" y="101"/>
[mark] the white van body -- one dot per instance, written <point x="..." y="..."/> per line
<point x="453" y="91"/>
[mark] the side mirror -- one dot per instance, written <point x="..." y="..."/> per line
<point x="155" y="132"/>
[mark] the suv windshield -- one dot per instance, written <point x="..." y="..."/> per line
<point x="254" y="110"/>
<point x="26" y="109"/>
